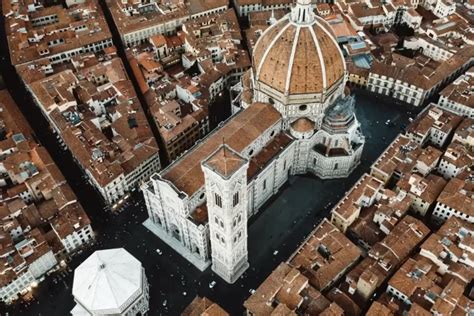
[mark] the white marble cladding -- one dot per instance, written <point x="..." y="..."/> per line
<point x="290" y="105"/>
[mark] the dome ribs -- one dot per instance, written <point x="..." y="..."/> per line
<point x="275" y="65"/>
<point x="306" y="73"/>
<point x="333" y="59"/>
<point x="298" y="58"/>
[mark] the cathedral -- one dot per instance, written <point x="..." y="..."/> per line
<point x="295" y="116"/>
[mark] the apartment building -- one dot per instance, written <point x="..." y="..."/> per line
<point x="414" y="81"/>
<point x="140" y="20"/>
<point x="451" y="241"/>
<point x="456" y="159"/>
<point x="95" y="113"/>
<point x="423" y="191"/>
<point x="325" y="256"/>
<point x="435" y="280"/>
<point x="362" y="194"/>
<point x="181" y="81"/>
<point x="458" y="97"/>
<point x="43" y="37"/>
<point x="456" y="200"/>
<point x="433" y="125"/>
<point x="285" y="291"/>
<point x="464" y="134"/>
<point x="246" y="7"/>
<point x="203" y="306"/>
<point x="383" y="259"/>
<point x="34" y="199"/>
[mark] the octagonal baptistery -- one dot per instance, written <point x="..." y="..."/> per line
<point x="298" y="66"/>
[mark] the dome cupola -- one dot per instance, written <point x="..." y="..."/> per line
<point x="298" y="54"/>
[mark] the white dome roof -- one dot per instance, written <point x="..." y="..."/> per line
<point x="108" y="281"/>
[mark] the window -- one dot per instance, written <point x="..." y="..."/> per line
<point x="264" y="184"/>
<point x="302" y="107"/>
<point x="218" y="199"/>
<point x="336" y="165"/>
<point x="235" y="199"/>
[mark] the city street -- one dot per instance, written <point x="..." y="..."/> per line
<point x="274" y="234"/>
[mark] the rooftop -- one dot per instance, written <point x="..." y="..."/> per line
<point x="239" y="132"/>
<point x="202" y="306"/>
<point x="460" y="91"/>
<point x="99" y="118"/>
<point x="286" y="292"/>
<point x="52" y="30"/>
<point x="141" y="15"/>
<point x="31" y="172"/>
<point x="434" y="118"/>
<point x="107" y="281"/>
<point x="447" y="248"/>
<point x="421" y="75"/>
<point x="458" y="194"/>
<point x="225" y="161"/>
<point x="298" y="59"/>
<point x="324" y="255"/>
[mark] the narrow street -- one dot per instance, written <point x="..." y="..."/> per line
<point x="121" y="53"/>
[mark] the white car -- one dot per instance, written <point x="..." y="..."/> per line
<point x="275" y="252"/>
<point x="212" y="284"/>
<point x="252" y="291"/>
<point x="158" y="251"/>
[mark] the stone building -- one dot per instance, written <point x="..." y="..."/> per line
<point x="110" y="282"/>
<point x="296" y="117"/>
<point x="139" y="20"/>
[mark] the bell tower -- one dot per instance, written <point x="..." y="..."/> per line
<point x="225" y="177"/>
